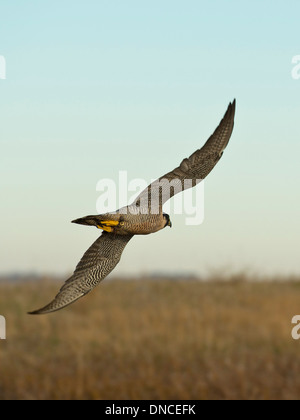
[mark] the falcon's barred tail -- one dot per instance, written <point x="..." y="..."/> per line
<point x="99" y="260"/>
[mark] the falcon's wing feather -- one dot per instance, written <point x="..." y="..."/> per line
<point x="195" y="168"/>
<point x="98" y="261"/>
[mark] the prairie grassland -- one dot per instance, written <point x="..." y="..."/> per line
<point x="153" y="340"/>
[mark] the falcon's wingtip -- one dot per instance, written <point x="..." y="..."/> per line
<point x="43" y="311"/>
<point x="38" y="312"/>
<point x="58" y="303"/>
<point x="230" y="113"/>
<point x="232" y="105"/>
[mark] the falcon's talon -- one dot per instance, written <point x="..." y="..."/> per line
<point x="105" y="228"/>
<point x="109" y="223"/>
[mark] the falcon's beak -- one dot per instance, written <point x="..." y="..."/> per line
<point x="170" y="223"/>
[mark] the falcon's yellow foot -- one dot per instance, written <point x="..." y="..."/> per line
<point x="105" y="228"/>
<point x="108" y="225"/>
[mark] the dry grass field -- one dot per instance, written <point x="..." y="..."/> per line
<point x="149" y="339"/>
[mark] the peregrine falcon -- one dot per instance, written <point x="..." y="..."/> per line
<point x="142" y="217"/>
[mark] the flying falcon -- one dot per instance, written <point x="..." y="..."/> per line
<point x="142" y="217"/>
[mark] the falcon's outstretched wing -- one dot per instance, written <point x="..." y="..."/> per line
<point x="98" y="261"/>
<point x="191" y="171"/>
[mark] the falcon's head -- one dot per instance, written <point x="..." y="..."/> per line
<point x="168" y="220"/>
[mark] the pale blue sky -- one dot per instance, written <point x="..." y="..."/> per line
<point x="95" y="87"/>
